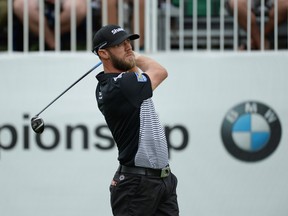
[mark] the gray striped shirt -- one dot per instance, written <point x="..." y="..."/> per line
<point x="152" y="151"/>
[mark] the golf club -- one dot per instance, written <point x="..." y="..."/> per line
<point x="37" y="123"/>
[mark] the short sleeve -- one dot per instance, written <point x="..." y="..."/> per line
<point x="136" y="87"/>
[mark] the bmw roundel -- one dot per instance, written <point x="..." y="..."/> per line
<point x="251" y="131"/>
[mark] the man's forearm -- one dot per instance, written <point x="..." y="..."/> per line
<point x="152" y="68"/>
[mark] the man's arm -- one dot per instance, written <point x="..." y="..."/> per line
<point x="153" y="69"/>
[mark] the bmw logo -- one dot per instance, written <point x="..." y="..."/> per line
<point x="251" y="131"/>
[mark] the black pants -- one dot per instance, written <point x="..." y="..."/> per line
<point x="136" y="195"/>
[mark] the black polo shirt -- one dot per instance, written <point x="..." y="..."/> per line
<point x="125" y="100"/>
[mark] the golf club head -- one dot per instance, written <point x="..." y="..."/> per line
<point x="37" y="124"/>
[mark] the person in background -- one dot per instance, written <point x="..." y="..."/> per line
<point x="255" y="30"/>
<point x="65" y="19"/>
<point x="113" y="16"/>
<point x="3" y="13"/>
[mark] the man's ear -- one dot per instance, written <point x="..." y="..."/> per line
<point x="103" y="54"/>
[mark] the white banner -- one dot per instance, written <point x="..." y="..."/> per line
<point x="225" y="117"/>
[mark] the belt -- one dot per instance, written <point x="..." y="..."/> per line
<point x="161" y="173"/>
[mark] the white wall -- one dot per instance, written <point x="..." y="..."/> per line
<point x="199" y="92"/>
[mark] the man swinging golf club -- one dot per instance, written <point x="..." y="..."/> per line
<point x="143" y="183"/>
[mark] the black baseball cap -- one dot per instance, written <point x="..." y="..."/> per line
<point x="110" y="35"/>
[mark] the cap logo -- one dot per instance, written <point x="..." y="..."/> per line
<point x="114" y="31"/>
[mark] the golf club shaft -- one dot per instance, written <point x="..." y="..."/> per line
<point x="88" y="72"/>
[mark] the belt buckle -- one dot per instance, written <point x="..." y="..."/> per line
<point x="165" y="172"/>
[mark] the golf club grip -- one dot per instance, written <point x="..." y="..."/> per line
<point x="88" y="72"/>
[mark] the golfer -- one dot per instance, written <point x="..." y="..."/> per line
<point x="143" y="183"/>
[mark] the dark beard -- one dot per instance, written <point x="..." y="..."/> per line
<point x="120" y="64"/>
